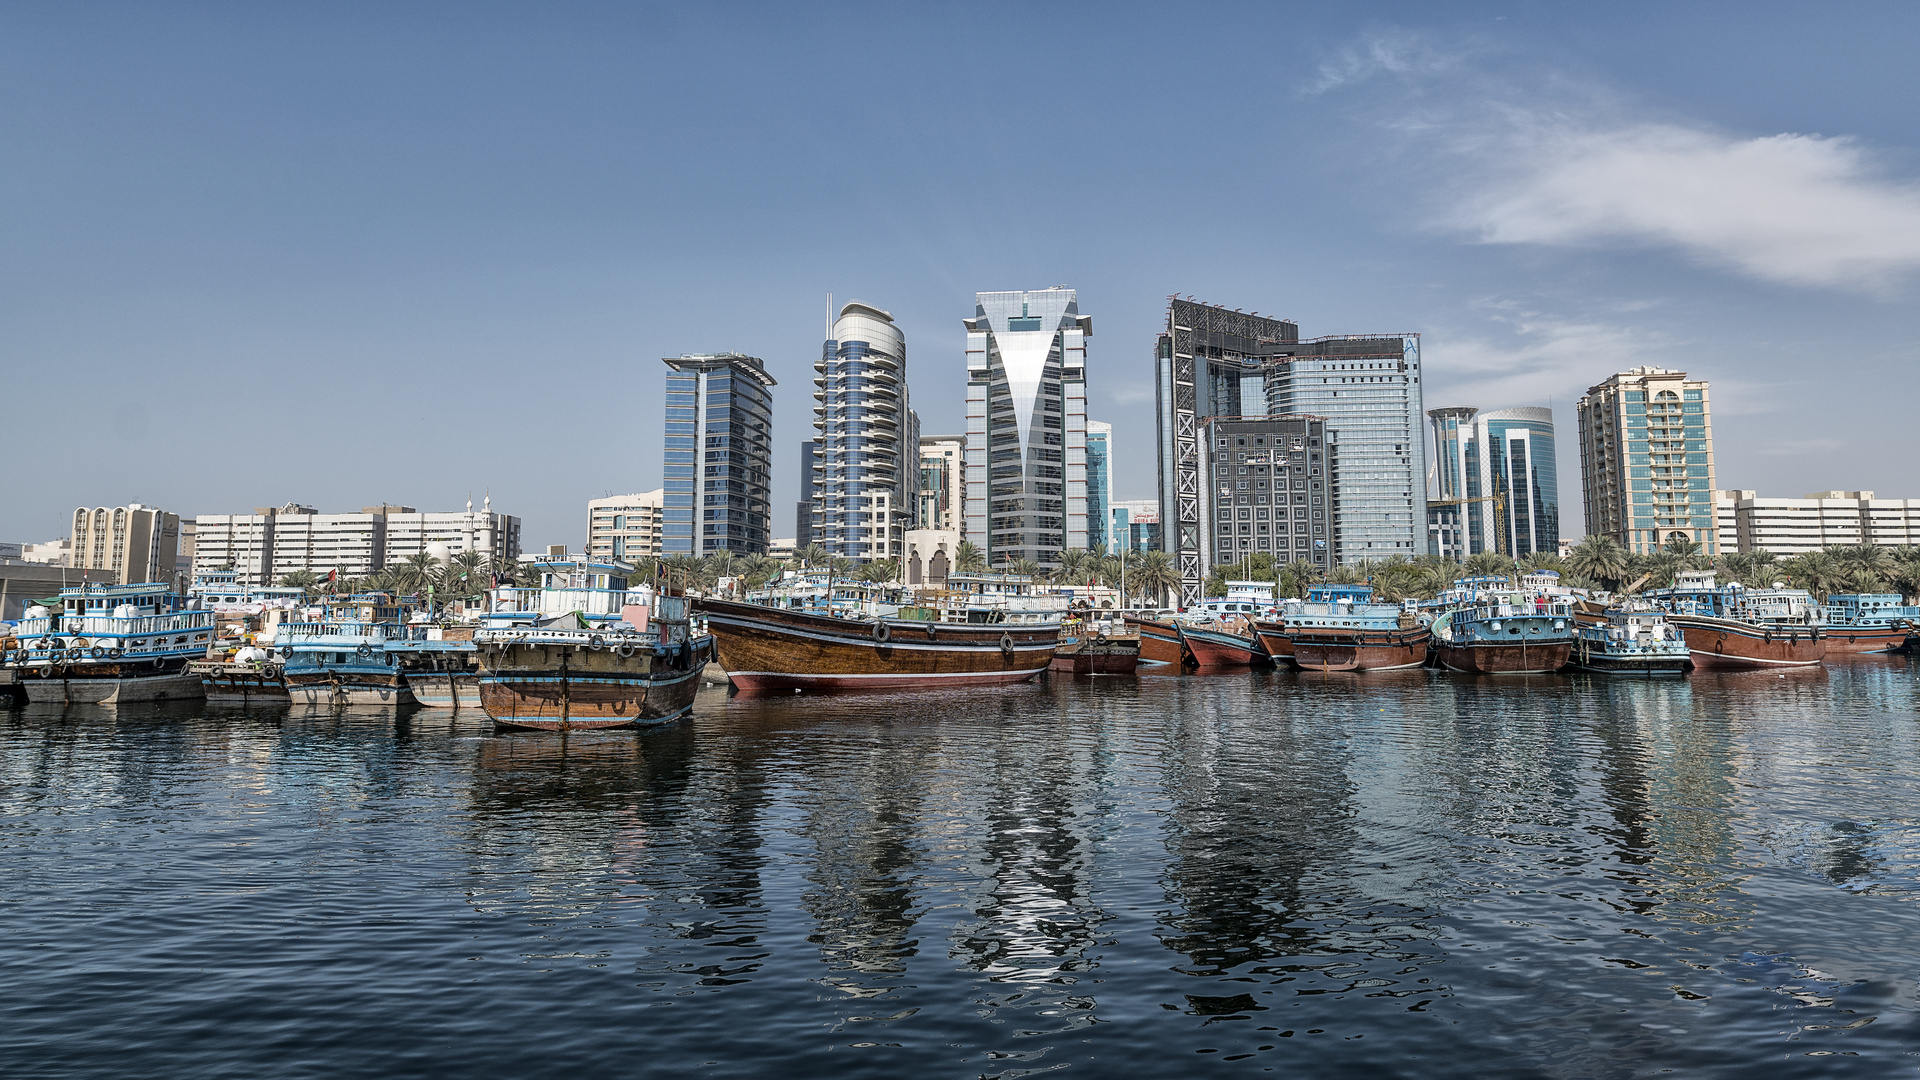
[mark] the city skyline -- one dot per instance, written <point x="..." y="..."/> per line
<point x="212" y="222"/>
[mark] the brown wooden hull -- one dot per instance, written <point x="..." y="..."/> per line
<point x="1217" y="649"/>
<point x="1516" y="658"/>
<point x="766" y="648"/>
<point x="1159" y="642"/>
<point x="1864" y="639"/>
<point x="1274" y="637"/>
<point x="552" y="686"/>
<point x="1729" y="645"/>
<point x="1360" y="650"/>
<point x="1116" y="656"/>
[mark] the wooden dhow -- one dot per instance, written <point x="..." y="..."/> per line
<point x="1095" y="653"/>
<point x="770" y="648"/>
<point x="1340" y="628"/>
<point x="1159" y="641"/>
<point x="1867" y="622"/>
<point x="1731" y="627"/>
<point x="1634" y="639"/>
<point x="1215" y="646"/>
<point x="112" y="644"/>
<point x="1494" y="629"/>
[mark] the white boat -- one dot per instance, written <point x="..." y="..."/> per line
<point x="112" y="644"/>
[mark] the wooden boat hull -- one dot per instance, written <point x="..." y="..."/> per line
<point x="1159" y="642"/>
<point x="1360" y="650"/>
<point x="1505" y="658"/>
<point x="1274" y="638"/>
<point x="1729" y="645"/>
<point x="243" y="684"/>
<point x="445" y="689"/>
<point x="1864" y="639"/>
<point x="329" y="688"/>
<point x="556" y="686"/>
<point x="1215" y="649"/>
<point x="112" y="683"/>
<point x="764" y="648"/>
<point x="1639" y="665"/>
<point x="1115" y="656"/>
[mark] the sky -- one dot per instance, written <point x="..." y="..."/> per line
<point x="351" y="254"/>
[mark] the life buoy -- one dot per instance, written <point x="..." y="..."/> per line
<point x="116" y="652"/>
<point x="99" y="652"/>
<point x="1006" y="644"/>
<point x="623" y="651"/>
<point x="76" y="653"/>
<point x="881" y="632"/>
<point x="596" y="643"/>
<point x="365" y="650"/>
<point x="933" y="631"/>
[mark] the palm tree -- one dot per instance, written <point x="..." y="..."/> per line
<point x="814" y="554"/>
<point x="1072" y="567"/>
<point x="1601" y="558"/>
<point x="1867" y="564"/>
<point x="1298" y="577"/>
<point x="1681" y="546"/>
<point x="1817" y="572"/>
<point x="1661" y="566"/>
<point x="757" y="569"/>
<point x="1490" y="564"/>
<point x="305" y="580"/>
<point x="1024" y="568"/>
<point x="1152" y="573"/>
<point x="414" y="572"/>
<point x="968" y="558"/>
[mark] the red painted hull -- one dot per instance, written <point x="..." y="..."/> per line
<point x="766" y="648"/>
<point x="1159" y="642"/>
<point x="1273" y="638"/>
<point x="1382" y="650"/>
<point x="1506" y="659"/>
<point x="1213" y="649"/>
<point x="1865" y="639"/>
<point x="1729" y="645"/>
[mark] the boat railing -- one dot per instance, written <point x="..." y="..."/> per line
<point x="103" y="625"/>
<point x="296" y="631"/>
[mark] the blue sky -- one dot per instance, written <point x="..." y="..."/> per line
<point x="349" y="254"/>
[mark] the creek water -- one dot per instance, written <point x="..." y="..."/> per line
<point x="1408" y="874"/>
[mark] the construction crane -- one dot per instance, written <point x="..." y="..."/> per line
<point x="1499" y="501"/>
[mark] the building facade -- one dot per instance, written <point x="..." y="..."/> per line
<point x="627" y="527"/>
<point x="1099" y="486"/>
<point x="265" y="546"/>
<point x="127" y="545"/>
<point x="866" y="469"/>
<point x="1267" y="490"/>
<point x="1026" y="465"/>
<point x="942" y="485"/>
<point x="1497" y="485"/>
<point x="803" y="510"/>
<point x="718" y="461"/>
<point x="1646" y="460"/>
<point x="1820" y="519"/>
<point x="1135" y="525"/>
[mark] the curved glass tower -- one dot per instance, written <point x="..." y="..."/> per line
<point x="866" y="449"/>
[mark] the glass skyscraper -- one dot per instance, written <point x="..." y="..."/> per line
<point x="1099" y="486"/>
<point x="719" y="455"/>
<point x="866" y="466"/>
<point x="1026" y="472"/>
<point x="1646" y="460"/>
<point x="1508" y="453"/>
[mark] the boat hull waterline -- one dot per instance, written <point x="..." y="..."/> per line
<point x="1219" y="649"/>
<point x="107" y="684"/>
<point x="764" y="648"/>
<point x="1731" y="645"/>
<point x="1360" y="650"/>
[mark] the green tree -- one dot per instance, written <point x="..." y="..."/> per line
<point x="1490" y="564"/>
<point x="306" y="581"/>
<point x="1817" y="572"/>
<point x="813" y="554"/>
<point x="413" y="573"/>
<point x="968" y="558"/>
<point x="1601" y="558"/>
<point x="1151" y="574"/>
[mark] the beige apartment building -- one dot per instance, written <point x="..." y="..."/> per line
<point x="132" y="543"/>
<point x="942" y="482"/>
<point x="270" y="543"/>
<point x="1646" y="460"/>
<point x="1818" y="520"/>
<point x="626" y="527"/>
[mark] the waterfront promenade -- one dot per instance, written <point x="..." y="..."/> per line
<point x="1405" y="874"/>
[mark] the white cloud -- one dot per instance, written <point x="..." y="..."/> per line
<point x="1386" y="52"/>
<point x="1796" y="209"/>
<point x="1542" y="357"/>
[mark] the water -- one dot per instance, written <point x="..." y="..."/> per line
<point x="1409" y="874"/>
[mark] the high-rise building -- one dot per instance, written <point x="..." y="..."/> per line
<point x="942" y="464"/>
<point x="1099" y="486"/>
<point x="1026" y="467"/>
<point x="718" y="467"/>
<point x="270" y="543"/>
<point x="1646" y="460"/>
<point x="1208" y="362"/>
<point x="626" y="527"/>
<point x="803" y="510"/>
<point x="1266" y="490"/>
<point x="1497" y="485"/>
<point x="1368" y="389"/>
<point x="866" y="469"/>
<point x="1215" y="362"/>
<point x="1136" y="524"/>
<point x="133" y="544"/>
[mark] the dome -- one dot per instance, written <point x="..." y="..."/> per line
<point x="440" y="552"/>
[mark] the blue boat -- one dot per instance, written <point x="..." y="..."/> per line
<point x="1341" y="628"/>
<point x="111" y="644"/>
<point x="1868" y="622"/>
<point x="1633" y="639"/>
<point x="345" y="658"/>
<point x="1496" y="629"/>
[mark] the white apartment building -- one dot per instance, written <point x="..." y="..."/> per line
<point x="1820" y="519"/>
<point x="241" y="541"/>
<point x="268" y="544"/>
<point x="411" y="533"/>
<point x="627" y="527"/>
<point x="132" y="543"/>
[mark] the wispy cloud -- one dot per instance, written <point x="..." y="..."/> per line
<point x="1541" y="156"/>
<point x="1130" y="393"/>
<point x="1532" y="357"/>
<point x="1795" y="209"/>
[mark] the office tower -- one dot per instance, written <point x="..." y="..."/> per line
<point x="1266" y="490"/>
<point x="803" y="510"/>
<point x="1208" y="362"/>
<point x="626" y="527"/>
<point x="1498" y="489"/>
<point x="1099" y="486"/>
<point x="719" y="455"/>
<point x="1646" y="460"/>
<point x="866" y="465"/>
<point x="942" y="462"/>
<point x="1026" y="468"/>
<point x="1136" y="524"/>
<point x="1368" y="389"/>
<point x="133" y="544"/>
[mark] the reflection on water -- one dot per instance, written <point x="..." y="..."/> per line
<point x="1396" y="873"/>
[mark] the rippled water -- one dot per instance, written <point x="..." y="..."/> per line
<point x="1405" y="874"/>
